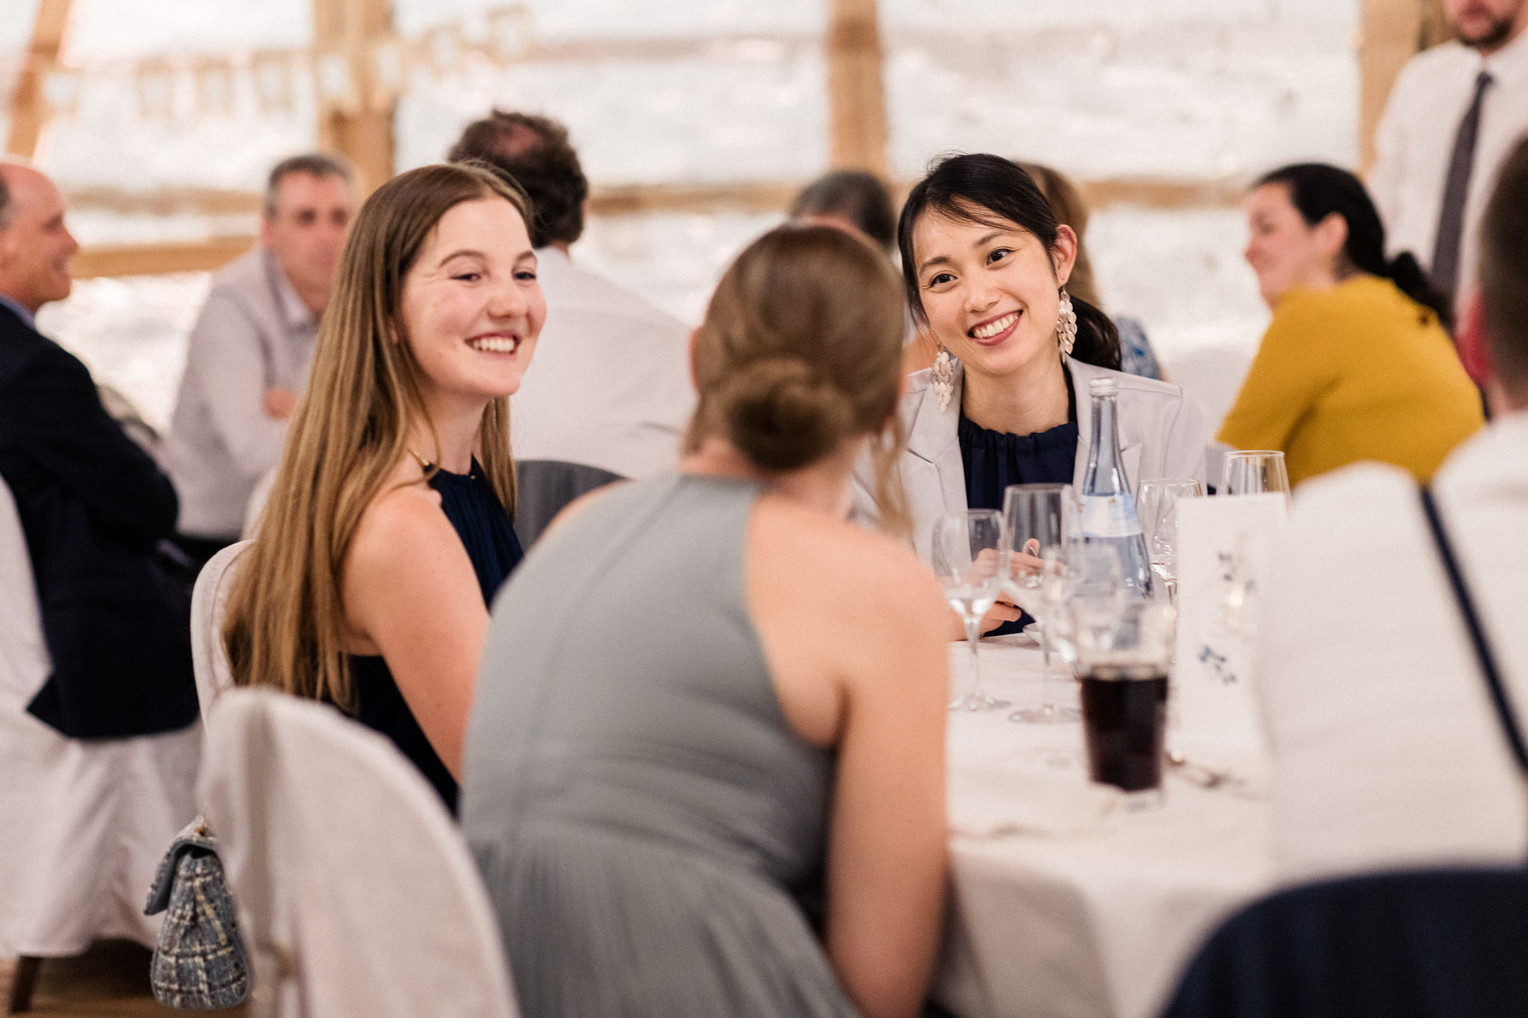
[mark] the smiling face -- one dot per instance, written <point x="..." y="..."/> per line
<point x="471" y="306"/>
<point x="35" y="245"/>
<point x="1284" y="250"/>
<point x="990" y="292"/>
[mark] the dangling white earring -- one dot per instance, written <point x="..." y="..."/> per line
<point x="942" y="376"/>
<point x="1066" y="324"/>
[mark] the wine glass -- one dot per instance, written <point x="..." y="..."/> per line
<point x="1039" y="521"/>
<point x="1253" y="471"/>
<point x="1038" y="517"/>
<point x="1098" y="592"/>
<point x="972" y="566"/>
<point x="1157" y="502"/>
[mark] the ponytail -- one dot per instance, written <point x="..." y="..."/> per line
<point x="1407" y="275"/>
<point x="1097" y="337"/>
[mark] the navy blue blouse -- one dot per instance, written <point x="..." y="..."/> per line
<point x="481" y="522"/>
<point x="995" y="459"/>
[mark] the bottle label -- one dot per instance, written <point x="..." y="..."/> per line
<point x="1109" y="516"/>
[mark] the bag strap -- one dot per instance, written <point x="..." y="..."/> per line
<point x="1483" y="654"/>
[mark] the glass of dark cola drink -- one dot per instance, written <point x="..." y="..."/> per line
<point x="1123" y="662"/>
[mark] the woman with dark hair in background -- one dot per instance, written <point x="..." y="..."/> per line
<point x="727" y="797"/>
<point x="1356" y="364"/>
<point x="985" y="267"/>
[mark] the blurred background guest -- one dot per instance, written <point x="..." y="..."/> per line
<point x="249" y="352"/>
<point x="986" y="266"/>
<point x="1387" y="747"/>
<point x="610" y="391"/>
<point x="852" y="200"/>
<point x="388" y="531"/>
<point x="727" y="798"/>
<point x="1454" y="113"/>
<point x="1356" y="364"/>
<point x="93" y="505"/>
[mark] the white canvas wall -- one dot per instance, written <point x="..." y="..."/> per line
<point x="1179" y="89"/>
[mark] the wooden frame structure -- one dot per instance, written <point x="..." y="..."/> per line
<point x="358" y="121"/>
<point x="1393" y="32"/>
<point x="29" y="109"/>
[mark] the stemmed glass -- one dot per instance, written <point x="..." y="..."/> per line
<point x="1039" y="521"/>
<point x="1157" y="502"/>
<point x="971" y="563"/>
<point x="1252" y="471"/>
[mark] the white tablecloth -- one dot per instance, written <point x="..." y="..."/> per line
<point x="1083" y="908"/>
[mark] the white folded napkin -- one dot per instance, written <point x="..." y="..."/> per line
<point x="1021" y="799"/>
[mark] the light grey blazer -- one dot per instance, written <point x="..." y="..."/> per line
<point x="1161" y="434"/>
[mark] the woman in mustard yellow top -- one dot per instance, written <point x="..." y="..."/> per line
<point x="1355" y="364"/>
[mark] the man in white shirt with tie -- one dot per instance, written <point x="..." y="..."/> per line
<point x="1451" y="118"/>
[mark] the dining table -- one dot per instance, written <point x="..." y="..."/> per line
<point x="1067" y="899"/>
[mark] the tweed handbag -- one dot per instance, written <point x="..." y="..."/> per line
<point x="199" y="963"/>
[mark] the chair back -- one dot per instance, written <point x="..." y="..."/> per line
<point x="24" y="660"/>
<point x="1405" y="944"/>
<point x="209" y="601"/>
<point x="544" y="487"/>
<point x="356" y="891"/>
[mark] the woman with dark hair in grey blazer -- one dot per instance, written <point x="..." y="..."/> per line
<point x="985" y="266"/>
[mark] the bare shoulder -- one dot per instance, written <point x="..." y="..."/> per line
<point x="858" y="569"/>
<point x="401" y="526"/>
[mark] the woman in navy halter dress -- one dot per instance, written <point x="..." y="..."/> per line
<point x="388" y="529"/>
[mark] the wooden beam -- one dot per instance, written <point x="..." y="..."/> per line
<point x="760" y="197"/>
<point x="29" y="108"/>
<point x="358" y="125"/>
<point x="856" y="92"/>
<point x="1392" y="32"/>
<point x="640" y="199"/>
<point x="158" y="259"/>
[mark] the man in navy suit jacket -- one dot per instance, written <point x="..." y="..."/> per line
<point x="93" y="504"/>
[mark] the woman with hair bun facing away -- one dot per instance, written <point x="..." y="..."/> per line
<point x="985" y="266"/>
<point x="727" y="796"/>
<point x="1356" y="364"/>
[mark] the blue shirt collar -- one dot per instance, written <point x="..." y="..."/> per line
<point x="25" y="315"/>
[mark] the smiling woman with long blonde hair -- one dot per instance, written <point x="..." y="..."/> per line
<point x="388" y="528"/>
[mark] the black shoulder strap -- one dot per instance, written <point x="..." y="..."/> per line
<point x="1477" y="633"/>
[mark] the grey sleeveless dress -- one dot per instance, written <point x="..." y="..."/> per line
<point x="646" y="821"/>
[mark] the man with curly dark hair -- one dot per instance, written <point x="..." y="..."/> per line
<point x="609" y="394"/>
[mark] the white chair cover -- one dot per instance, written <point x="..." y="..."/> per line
<point x="83" y="824"/>
<point x="255" y="508"/>
<point x="209" y="655"/>
<point x="347" y="868"/>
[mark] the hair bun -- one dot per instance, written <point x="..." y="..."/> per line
<point x="780" y="415"/>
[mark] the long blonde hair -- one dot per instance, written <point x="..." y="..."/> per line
<point x="800" y="351"/>
<point x="285" y="619"/>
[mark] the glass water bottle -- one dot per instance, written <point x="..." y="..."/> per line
<point x="1106" y="505"/>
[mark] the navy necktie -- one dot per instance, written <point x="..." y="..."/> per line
<point x="1456" y="190"/>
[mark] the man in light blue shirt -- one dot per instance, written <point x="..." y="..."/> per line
<point x="251" y="348"/>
